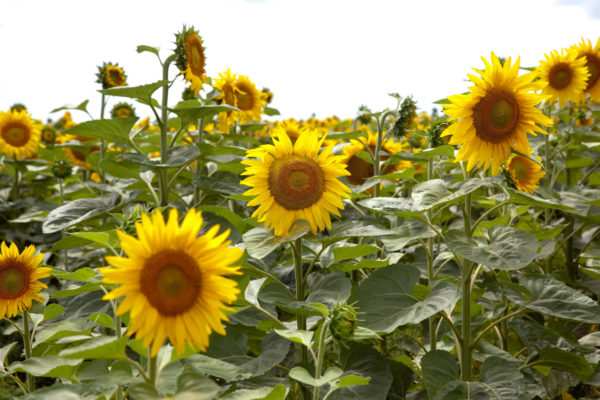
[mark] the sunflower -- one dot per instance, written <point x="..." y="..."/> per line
<point x="359" y="169"/>
<point x="591" y="54"/>
<point x="190" y="57"/>
<point x="173" y="280"/>
<point x="122" y="110"/>
<point x="111" y="75"/>
<point x="496" y="116"/>
<point x="19" y="279"/>
<point x="19" y="134"/>
<point x="238" y="91"/>
<point x="563" y="76"/>
<point x="48" y="135"/>
<point x="524" y="172"/>
<point x="293" y="181"/>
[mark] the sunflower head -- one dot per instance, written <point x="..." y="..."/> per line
<point x="524" y="173"/>
<point x="65" y="122"/>
<point x="290" y="182"/>
<point x="122" y="110"/>
<point x="344" y="321"/>
<point x="62" y="169"/>
<point x="591" y="54"/>
<point x="111" y="75"/>
<point x="19" y="134"/>
<point x="238" y="91"/>
<point x="267" y="95"/>
<point x="496" y="116"/>
<point x="19" y="279"/>
<point x="49" y="135"/>
<point x="563" y="76"/>
<point x="173" y="280"/>
<point x="190" y="57"/>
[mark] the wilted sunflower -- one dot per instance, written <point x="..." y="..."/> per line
<point x="496" y="116"/>
<point x="19" y="134"/>
<point x="19" y="279"/>
<point x="524" y="173"/>
<point x="591" y="53"/>
<point x="173" y="280"/>
<point x="563" y="76"/>
<point x="190" y="57"/>
<point x="238" y="91"/>
<point x="111" y="75"/>
<point x="359" y="169"/>
<point x="293" y="181"/>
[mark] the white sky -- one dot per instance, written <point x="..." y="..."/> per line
<point x="317" y="56"/>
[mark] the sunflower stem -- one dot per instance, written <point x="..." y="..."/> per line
<point x="102" y="141"/>
<point x="61" y="190"/>
<point x="16" y="183"/>
<point x="300" y="319"/>
<point x="198" y="164"/>
<point x="430" y="274"/>
<point x="320" y="352"/>
<point x="466" y="349"/>
<point x="29" y="382"/>
<point x="152" y="367"/>
<point x="164" y="146"/>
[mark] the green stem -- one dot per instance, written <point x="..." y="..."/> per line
<point x="16" y="183"/>
<point x="102" y="141"/>
<point x="300" y="319"/>
<point x="27" y="344"/>
<point x="320" y="352"/>
<point x="430" y="274"/>
<point x="164" y="157"/>
<point x="152" y="368"/>
<point x="198" y="164"/>
<point x="61" y="190"/>
<point x="466" y="350"/>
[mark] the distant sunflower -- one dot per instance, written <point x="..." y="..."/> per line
<point x="19" y="279"/>
<point x="524" y="173"/>
<point x="238" y="91"/>
<point x="19" y="134"/>
<point x="49" y="135"/>
<point x="496" y="116"/>
<point x="359" y="169"/>
<point x="190" y="57"/>
<point x="292" y="128"/>
<point x="173" y="280"/>
<point x="111" y="75"/>
<point x="293" y="181"/>
<point x="563" y="76"/>
<point x="122" y="110"/>
<point x="591" y="53"/>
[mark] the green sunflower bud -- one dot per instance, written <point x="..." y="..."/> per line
<point x="62" y="169"/>
<point x="49" y="135"/>
<point x="122" y="110"/>
<point x="18" y="107"/>
<point x="343" y="321"/>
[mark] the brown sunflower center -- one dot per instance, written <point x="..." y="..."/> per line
<point x="16" y="134"/>
<point x="14" y="281"/>
<point x="48" y="135"/>
<point x="171" y="281"/>
<point x="519" y="170"/>
<point x="195" y="54"/>
<point x="495" y="116"/>
<point x="296" y="182"/>
<point x="593" y="64"/>
<point x="560" y="76"/>
<point x="123" y="112"/>
<point x="245" y="100"/>
<point x="360" y="170"/>
<point x="115" y="77"/>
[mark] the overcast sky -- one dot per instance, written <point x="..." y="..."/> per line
<point x="317" y="56"/>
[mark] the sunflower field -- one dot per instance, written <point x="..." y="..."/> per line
<point x="205" y="253"/>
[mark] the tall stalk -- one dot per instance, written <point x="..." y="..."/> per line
<point x="430" y="274"/>
<point x="466" y="269"/>
<point x="164" y="147"/>
<point x="27" y="345"/>
<point x="300" y="319"/>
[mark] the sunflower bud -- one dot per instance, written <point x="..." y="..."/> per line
<point x="343" y="321"/>
<point x="435" y="130"/>
<point x="111" y="75"/>
<point x="49" y="135"/>
<point x="62" y="169"/>
<point x="406" y="114"/>
<point x="122" y="110"/>
<point x="188" y="94"/>
<point x="18" y="107"/>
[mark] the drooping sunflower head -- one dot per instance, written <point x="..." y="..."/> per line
<point x="524" y="173"/>
<point x="20" y="276"/>
<point x="591" y="54"/>
<point x="294" y="181"/>
<point x="563" y="76"/>
<point x="190" y="57"/>
<point x="173" y="280"/>
<point x="496" y="116"/>
<point x="359" y="169"/>
<point x="122" y="110"/>
<point x="19" y="134"/>
<point x="111" y="75"/>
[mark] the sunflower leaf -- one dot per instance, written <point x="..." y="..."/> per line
<point x="142" y="93"/>
<point x="112" y="130"/>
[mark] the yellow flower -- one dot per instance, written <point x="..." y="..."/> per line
<point x="190" y="57"/>
<point x="173" y="280"/>
<point x="292" y="128"/>
<point x="238" y="91"/>
<point x="359" y="169"/>
<point x="19" y="279"/>
<point x="524" y="172"/>
<point x="19" y="134"/>
<point x="294" y="181"/>
<point x="591" y="53"/>
<point x="111" y="75"/>
<point x="496" y="116"/>
<point x="563" y="76"/>
<point x="122" y="110"/>
<point x="95" y="177"/>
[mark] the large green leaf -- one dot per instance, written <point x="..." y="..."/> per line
<point x="329" y="289"/>
<point x="439" y="368"/>
<point x="517" y="197"/>
<point x="54" y="367"/>
<point x="193" y="386"/>
<point x="238" y="222"/>
<point x="503" y="377"/>
<point x="101" y="347"/>
<point x="81" y="107"/>
<point x="459" y="390"/>
<point x="386" y="301"/>
<point x="353" y="251"/>
<point x="302" y="375"/>
<point x="574" y="364"/>
<point x="260" y="242"/>
<point x="78" y="391"/>
<point x="553" y="298"/>
<point x="77" y="211"/>
<point x="64" y="328"/>
<point x="112" y="130"/>
<point x="406" y="233"/>
<point x="192" y="110"/>
<point x="265" y="393"/>
<point x="215" y="367"/>
<point x="509" y="248"/>
<point x="143" y="92"/>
